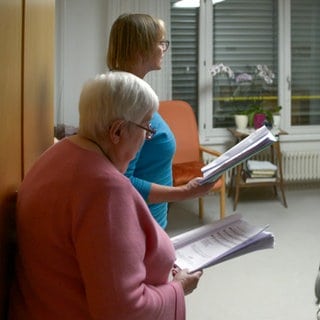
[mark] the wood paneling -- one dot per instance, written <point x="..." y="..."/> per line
<point x="38" y="79"/>
<point x="10" y="119"/>
<point x="10" y="94"/>
<point x="26" y="103"/>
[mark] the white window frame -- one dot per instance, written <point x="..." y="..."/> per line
<point x="220" y="136"/>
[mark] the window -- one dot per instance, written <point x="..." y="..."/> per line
<point x="305" y="62"/>
<point x="244" y="37"/>
<point x="242" y="34"/>
<point x="184" y="54"/>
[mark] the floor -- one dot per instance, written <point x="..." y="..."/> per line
<point x="272" y="284"/>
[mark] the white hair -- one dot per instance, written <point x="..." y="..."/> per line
<point x="112" y="96"/>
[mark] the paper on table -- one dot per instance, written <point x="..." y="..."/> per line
<point x="260" y="165"/>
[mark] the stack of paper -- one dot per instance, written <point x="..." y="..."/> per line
<point x="246" y="148"/>
<point x="260" y="171"/>
<point x="220" y="241"/>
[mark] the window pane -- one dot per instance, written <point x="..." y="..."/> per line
<point x="184" y="51"/>
<point x="305" y="63"/>
<point x="244" y="36"/>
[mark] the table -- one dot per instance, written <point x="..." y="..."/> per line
<point x="237" y="182"/>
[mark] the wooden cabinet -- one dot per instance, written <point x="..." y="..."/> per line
<point x="26" y="101"/>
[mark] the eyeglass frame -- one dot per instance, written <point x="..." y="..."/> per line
<point x="150" y="132"/>
<point x="165" y="45"/>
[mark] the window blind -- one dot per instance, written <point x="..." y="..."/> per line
<point x="305" y="62"/>
<point x="184" y="54"/>
<point x="244" y="36"/>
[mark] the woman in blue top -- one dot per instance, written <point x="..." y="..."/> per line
<point x="137" y="44"/>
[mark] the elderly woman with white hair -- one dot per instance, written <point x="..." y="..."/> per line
<point x="88" y="246"/>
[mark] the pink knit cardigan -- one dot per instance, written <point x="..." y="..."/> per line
<point x="88" y="246"/>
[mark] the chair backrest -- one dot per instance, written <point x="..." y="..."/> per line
<point x="182" y="121"/>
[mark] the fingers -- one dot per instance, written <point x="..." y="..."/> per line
<point x="198" y="179"/>
<point x="175" y="270"/>
<point x="199" y="190"/>
<point x="189" y="281"/>
<point x="198" y="273"/>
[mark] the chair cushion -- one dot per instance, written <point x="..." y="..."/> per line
<point x="184" y="172"/>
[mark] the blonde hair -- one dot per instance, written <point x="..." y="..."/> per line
<point x="113" y="96"/>
<point x="131" y="35"/>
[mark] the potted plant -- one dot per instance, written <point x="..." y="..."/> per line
<point x="241" y="120"/>
<point x="276" y="117"/>
<point x="246" y="91"/>
<point x="257" y="116"/>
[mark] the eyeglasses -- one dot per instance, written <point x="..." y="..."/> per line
<point x="164" y="45"/>
<point x="150" y="132"/>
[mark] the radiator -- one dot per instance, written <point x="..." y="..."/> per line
<point x="297" y="166"/>
<point x="301" y="166"/>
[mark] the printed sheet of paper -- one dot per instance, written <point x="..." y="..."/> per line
<point x="254" y="143"/>
<point x="216" y="244"/>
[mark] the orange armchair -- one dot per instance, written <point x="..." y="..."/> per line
<point x="188" y="161"/>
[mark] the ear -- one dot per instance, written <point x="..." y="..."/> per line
<point x="115" y="130"/>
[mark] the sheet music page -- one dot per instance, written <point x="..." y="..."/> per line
<point x="246" y="148"/>
<point x="193" y="235"/>
<point x="216" y="245"/>
<point x="252" y="142"/>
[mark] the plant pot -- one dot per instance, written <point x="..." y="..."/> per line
<point x="241" y="121"/>
<point x="258" y="120"/>
<point x="276" y="121"/>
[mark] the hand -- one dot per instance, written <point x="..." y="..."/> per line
<point x="189" y="281"/>
<point x="198" y="190"/>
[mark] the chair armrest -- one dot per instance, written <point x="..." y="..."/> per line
<point x="210" y="151"/>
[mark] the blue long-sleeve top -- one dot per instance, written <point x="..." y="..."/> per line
<point x="153" y="164"/>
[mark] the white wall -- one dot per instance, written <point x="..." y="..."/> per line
<point x="82" y="29"/>
<point x="80" y="52"/>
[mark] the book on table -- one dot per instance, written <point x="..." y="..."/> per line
<point x="220" y="241"/>
<point x="249" y="179"/>
<point x="246" y="148"/>
<point x="261" y="168"/>
<point x="257" y="171"/>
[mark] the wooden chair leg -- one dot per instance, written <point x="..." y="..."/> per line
<point x="223" y="198"/>
<point x="222" y="203"/>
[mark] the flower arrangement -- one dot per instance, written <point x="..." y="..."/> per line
<point x="248" y="90"/>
